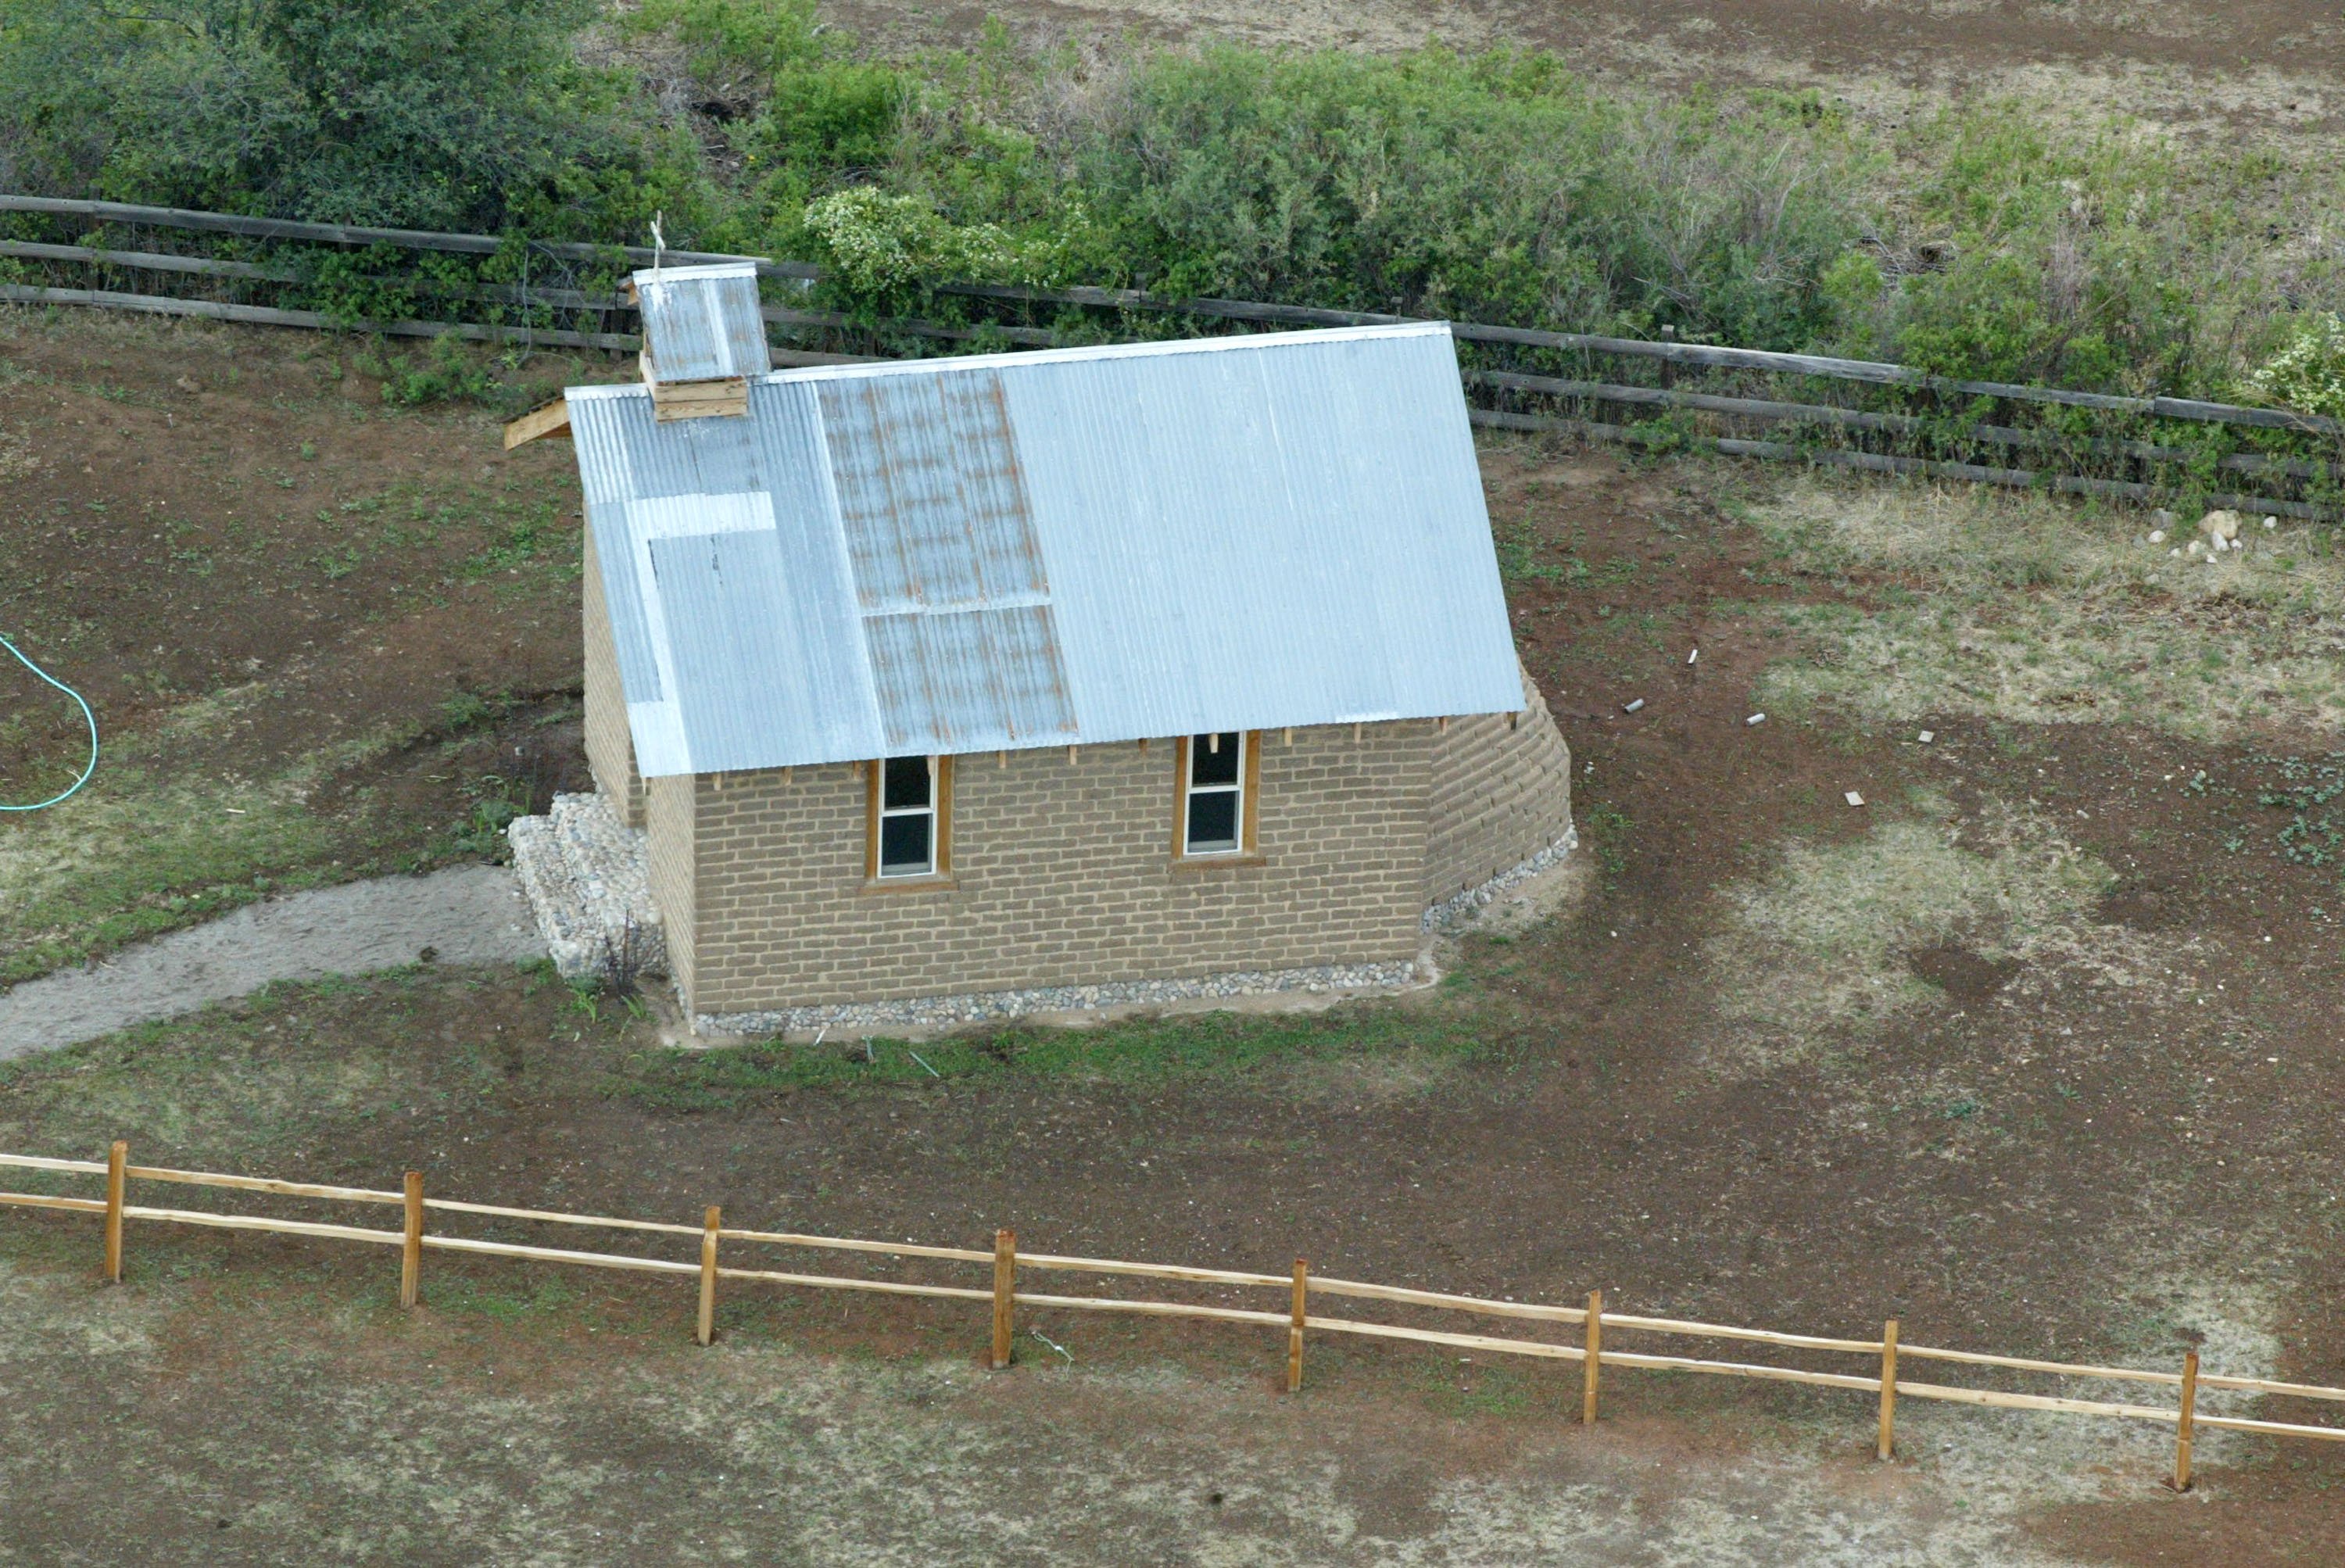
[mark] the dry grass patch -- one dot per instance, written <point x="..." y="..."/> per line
<point x="1817" y="949"/>
<point x="2030" y="610"/>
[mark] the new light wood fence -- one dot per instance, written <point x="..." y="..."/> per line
<point x="1593" y="1345"/>
<point x="1893" y="419"/>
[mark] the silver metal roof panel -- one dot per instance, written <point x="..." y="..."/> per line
<point x="1081" y="546"/>
<point x="701" y="323"/>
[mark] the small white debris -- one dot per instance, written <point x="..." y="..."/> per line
<point x="1632" y="707"/>
<point x="1756" y="719"/>
<point x="2176" y="551"/>
<point x="1853" y="798"/>
<point x="2158" y="536"/>
<point x="1926" y="737"/>
<point x="1693" y="655"/>
<point x="2197" y="545"/>
<point x="2271" y="522"/>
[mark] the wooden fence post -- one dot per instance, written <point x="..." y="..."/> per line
<point x="411" y="1246"/>
<point x="1298" y="1308"/>
<point x="1005" y="1295"/>
<point x="1595" y="1354"/>
<point x="117" y="1158"/>
<point x="706" y="1328"/>
<point x="1888" y="1389"/>
<point x="2189" y="1415"/>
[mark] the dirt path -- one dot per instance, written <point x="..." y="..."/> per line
<point x="466" y="915"/>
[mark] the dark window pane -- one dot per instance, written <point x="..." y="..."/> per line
<point x="904" y="844"/>
<point x="908" y="783"/>
<point x="1213" y="821"/>
<point x="1207" y="765"/>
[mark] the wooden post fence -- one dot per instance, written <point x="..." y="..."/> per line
<point x="1005" y="1295"/>
<point x="118" y="1157"/>
<point x="1595" y="1349"/>
<point x="710" y="1222"/>
<point x="2185" y="1419"/>
<point x="1888" y="1445"/>
<point x="411" y="1246"/>
<point x="1298" y="1308"/>
<point x="1884" y="1356"/>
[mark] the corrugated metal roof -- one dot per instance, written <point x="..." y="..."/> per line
<point x="701" y="323"/>
<point x="1021" y="550"/>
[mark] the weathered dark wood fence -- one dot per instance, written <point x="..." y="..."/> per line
<point x="1661" y="394"/>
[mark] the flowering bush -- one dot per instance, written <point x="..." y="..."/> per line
<point x="2309" y="374"/>
<point x="881" y="243"/>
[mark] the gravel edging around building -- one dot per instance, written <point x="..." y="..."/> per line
<point x="1330" y="980"/>
<point x="1459" y="909"/>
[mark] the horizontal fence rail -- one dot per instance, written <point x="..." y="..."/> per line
<point x="1593" y="1322"/>
<point x="1664" y="395"/>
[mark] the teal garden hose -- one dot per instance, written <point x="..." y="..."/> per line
<point x="89" y="718"/>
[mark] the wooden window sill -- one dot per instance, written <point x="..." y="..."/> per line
<point x="934" y="883"/>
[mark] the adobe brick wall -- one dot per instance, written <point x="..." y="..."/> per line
<point x="1062" y="875"/>
<point x="610" y="749"/>
<point x="1500" y="794"/>
<point x="669" y="815"/>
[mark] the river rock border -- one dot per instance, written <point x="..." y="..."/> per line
<point x="1454" y="911"/>
<point x="998" y="1006"/>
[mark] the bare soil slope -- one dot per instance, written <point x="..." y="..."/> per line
<point x="2266" y="64"/>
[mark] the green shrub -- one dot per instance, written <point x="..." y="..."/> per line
<point x="1983" y="242"/>
<point x="435" y="114"/>
<point x="447" y="372"/>
<point x="2308" y="373"/>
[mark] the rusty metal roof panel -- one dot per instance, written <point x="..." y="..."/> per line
<point x="702" y="323"/>
<point x="1080" y="546"/>
<point x="929" y="495"/>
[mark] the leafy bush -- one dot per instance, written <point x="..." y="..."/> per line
<point x="436" y="114"/>
<point x="1499" y="186"/>
<point x="879" y="243"/>
<point x="2308" y="374"/>
<point x="446" y="373"/>
<point x="2103" y="260"/>
<point x="1493" y="186"/>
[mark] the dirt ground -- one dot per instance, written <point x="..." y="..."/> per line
<point x="2035" y="1050"/>
<point x="2268" y="65"/>
<point x="325" y="635"/>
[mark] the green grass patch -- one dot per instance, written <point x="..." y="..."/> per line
<point x="2026" y="609"/>
<point x="1141" y="1051"/>
<point x="249" y="1081"/>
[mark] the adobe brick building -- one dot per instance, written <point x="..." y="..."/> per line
<point x="966" y="687"/>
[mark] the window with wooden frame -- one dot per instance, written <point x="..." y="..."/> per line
<point x="1214" y="808"/>
<point x="909" y="827"/>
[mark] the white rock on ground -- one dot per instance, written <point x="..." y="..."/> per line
<point x="468" y="914"/>
<point x="587" y="878"/>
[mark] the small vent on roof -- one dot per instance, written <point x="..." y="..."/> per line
<point x="702" y="337"/>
